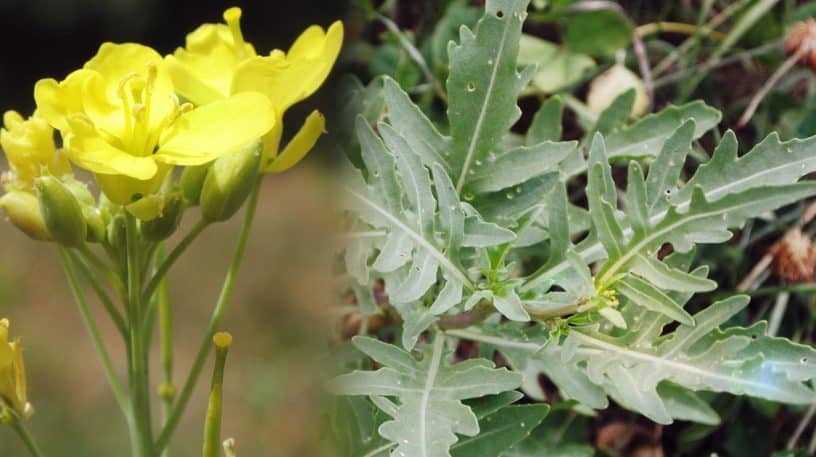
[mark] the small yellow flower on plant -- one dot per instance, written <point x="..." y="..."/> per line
<point x="29" y="147"/>
<point x="120" y="118"/>
<point x="12" y="375"/>
<point x="218" y="63"/>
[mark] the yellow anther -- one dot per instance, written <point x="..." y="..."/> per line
<point x="152" y="73"/>
<point x="123" y="85"/>
<point x="137" y="110"/>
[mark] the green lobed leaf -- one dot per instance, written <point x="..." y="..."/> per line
<point x="483" y="85"/>
<point x="428" y="412"/>
<point x="501" y="430"/>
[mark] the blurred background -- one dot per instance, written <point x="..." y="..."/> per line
<point x="275" y="316"/>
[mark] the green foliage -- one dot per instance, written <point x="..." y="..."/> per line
<point x="429" y="392"/>
<point x="552" y="254"/>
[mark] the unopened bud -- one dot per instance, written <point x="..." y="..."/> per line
<point x="61" y="212"/>
<point x="229" y="447"/>
<point x="229" y="182"/>
<point x="23" y="210"/>
<point x="87" y="202"/>
<point x="167" y="222"/>
<point x="192" y="179"/>
<point x="117" y="232"/>
<point x="96" y="224"/>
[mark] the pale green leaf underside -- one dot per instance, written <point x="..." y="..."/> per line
<point x="429" y="413"/>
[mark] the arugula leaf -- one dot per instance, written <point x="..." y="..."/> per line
<point x="428" y="412"/>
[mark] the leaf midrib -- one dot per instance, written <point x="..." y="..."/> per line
<point x="419" y="239"/>
<point x="673" y="364"/>
<point x="460" y="183"/>
<point x="433" y="370"/>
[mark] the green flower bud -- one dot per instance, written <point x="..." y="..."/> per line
<point x="23" y="210"/>
<point x="192" y="180"/>
<point x="96" y="225"/>
<point x="229" y="182"/>
<point x="61" y="212"/>
<point x="117" y="232"/>
<point x="167" y="222"/>
<point x="80" y="190"/>
<point x="93" y="216"/>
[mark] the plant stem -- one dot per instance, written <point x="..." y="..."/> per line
<point x="96" y="338"/>
<point x="760" y="95"/>
<point x="778" y="313"/>
<point x="27" y="438"/>
<point x="801" y="288"/>
<point x="212" y="424"/>
<point x="161" y="272"/>
<point x="800" y="427"/>
<point x="715" y="22"/>
<point x="215" y="320"/>
<point x="677" y="27"/>
<point x="114" y="313"/>
<point x="166" y="345"/>
<point x="716" y="63"/>
<point x="101" y="265"/>
<point x="415" y="55"/>
<point x="139" y="386"/>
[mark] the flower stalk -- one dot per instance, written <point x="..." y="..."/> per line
<point x="212" y="424"/>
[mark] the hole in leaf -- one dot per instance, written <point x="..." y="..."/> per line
<point x="471" y="86"/>
<point x="499" y="14"/>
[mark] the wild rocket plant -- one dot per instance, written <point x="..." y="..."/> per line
<point x="568" y="260"/>
<point x="158" y="135"/>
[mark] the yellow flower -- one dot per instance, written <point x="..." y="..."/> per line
<point x="29" y="148"/>
<point x="217" y="63"/>
<point x="12" y="374"/>
<point x="119" y="118"/>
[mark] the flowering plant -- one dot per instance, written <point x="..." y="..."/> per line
<point x="160" y="136"/>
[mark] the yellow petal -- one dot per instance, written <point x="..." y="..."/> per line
<point x="193" y="79"/>
<point x="203" y="70"/>
<point x="300" y="145"/>
<point x="271" y="141"/>
<point x="21" y="398"/>
<point x="58" y="100"/>
<point x="207" y="132"/>
<point x="264" y="74"/>
<point x="308" y="64"/>
<point x="115" y="63"/>
<point x="29" y="147"/>
<point x="124" y="190"/>
<point x="6" y="351"/>
<point x="91" y="151"/>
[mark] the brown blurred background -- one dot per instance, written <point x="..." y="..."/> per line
<point x="277" y="313"/>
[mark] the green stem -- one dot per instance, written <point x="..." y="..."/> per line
<point x="96" y="338"/>
<point x="161" y="272"/>
<point x="114" y="313"/>
<point x="167" y="391"/>
<point x="103" y="267"/>
<point x="27" y="438"/>
<point x="139" y="386"/>
<point x="801" y="288"/>
<point x="212" y="424"/>
<point x="215" y="320"/>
